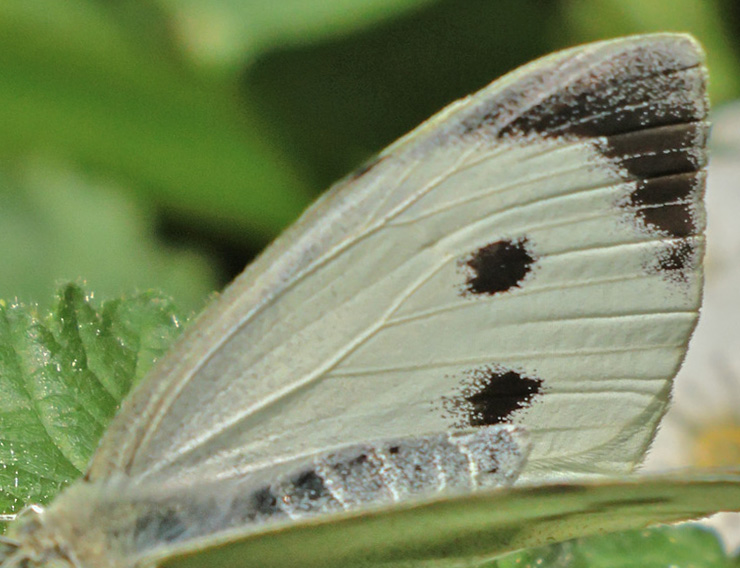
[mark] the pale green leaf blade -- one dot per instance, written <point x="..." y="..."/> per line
<point x="684" y="545"/>
<point x="34" y="468"/>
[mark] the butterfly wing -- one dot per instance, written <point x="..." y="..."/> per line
<point x="529" y="256"/>
<point x="454" y="532"/>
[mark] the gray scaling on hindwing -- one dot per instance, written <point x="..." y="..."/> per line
<point x="373" y="473"/>
<point x="388" y="471"/>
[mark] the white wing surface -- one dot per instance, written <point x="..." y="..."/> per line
<point x="529" y="256"/>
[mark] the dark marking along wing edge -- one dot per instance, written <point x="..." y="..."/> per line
<point x="454" y="532"/>
<point x="361" y="321"/>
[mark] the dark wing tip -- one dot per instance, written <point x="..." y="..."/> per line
<point x="602" y="89"/>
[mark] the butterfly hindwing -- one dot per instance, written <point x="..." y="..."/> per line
<point x="469" y="531"/>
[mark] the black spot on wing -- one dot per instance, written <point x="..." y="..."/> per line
<point x="498" y="395"/>
<point x="497" y="267"/>
<point x="491" y="395"/>
<point x="677" y="260"/>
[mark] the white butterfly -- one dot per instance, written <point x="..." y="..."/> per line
<point x="502" y="295"/>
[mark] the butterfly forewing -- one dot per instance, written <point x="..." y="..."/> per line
<point x="530" y="256"/>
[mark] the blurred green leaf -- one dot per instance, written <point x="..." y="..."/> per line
<point x="55" y="225"/>
<point x="227" y="34"/>
<point x="599" y="19"/>
<point x="684" y="545"/>
<point x="147" y="23"/>
<point x="338" y="101"/>
<point x="76" y="87"/>
<point x="63" y="377"/>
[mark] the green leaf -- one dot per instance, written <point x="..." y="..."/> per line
<point x="63" y="377"/>
<point x="57" y="225"/>
<point x="684" y="545"/>
<point x="146" y="22"/>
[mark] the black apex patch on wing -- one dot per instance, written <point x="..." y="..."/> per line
<point x="605" y="90"/>
<point x="638" y="108"/>
<point x="669" y="209"/>
<point x="668" y="206"/>
<point x="497" y="267"/>
<point x="644" y="100"/>
<point x="660" y="151"/>
<point x="613" y="101"/>
<point x="491" y="395"/>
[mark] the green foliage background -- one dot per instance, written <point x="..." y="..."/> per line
<point x="162" y="143"/>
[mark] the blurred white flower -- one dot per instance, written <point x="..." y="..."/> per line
<point x="702" y="428"/>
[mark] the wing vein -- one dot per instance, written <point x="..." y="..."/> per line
<point x="520" y="356"/>
<point x="309" y="378"/>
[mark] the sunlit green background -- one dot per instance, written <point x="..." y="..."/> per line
<point x="162" y="143"/>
